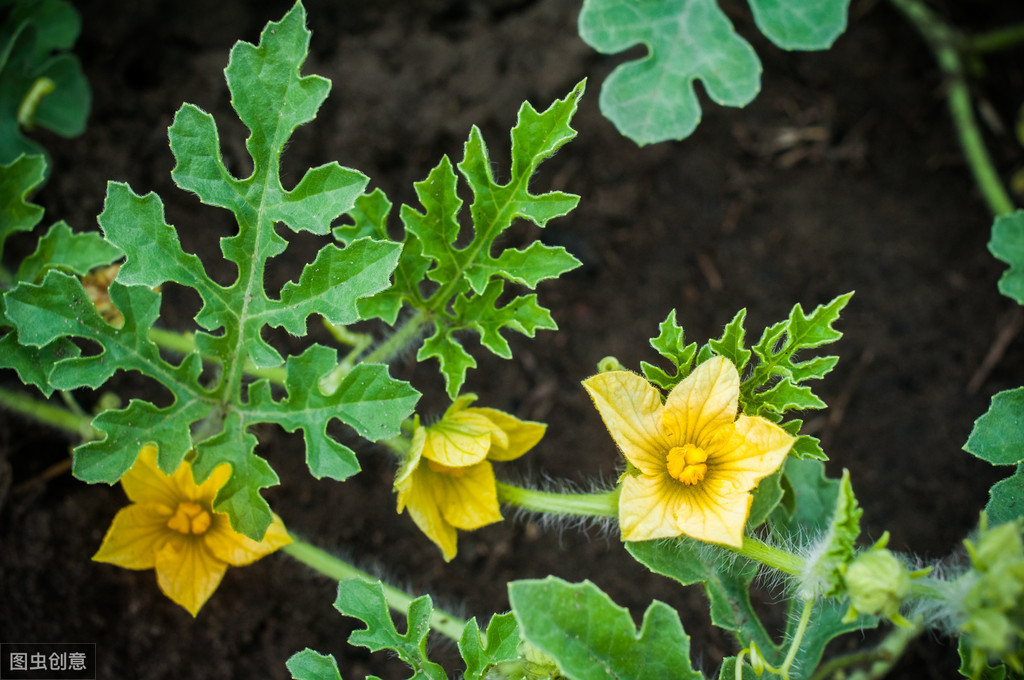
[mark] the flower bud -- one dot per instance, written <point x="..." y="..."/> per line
<point x="877" y="583"/>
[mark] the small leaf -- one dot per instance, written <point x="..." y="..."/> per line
<point x="801" y="24"/>
<point x="592" y="638"/>
<point x="1006" y="498"/>
<point x="1007" y="244"/>
<point x="17" y="181"/>
<point x="365" y="601"/>
<point x="60" y="248"/>
<point x="501" y="643"/>
<point x="998" y="435"/>
<point x="311" y="665"/>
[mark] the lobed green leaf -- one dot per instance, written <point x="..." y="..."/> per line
<point x="483" y="652"/>
<point x="212" y="422"/>
<point x="311" y="665"/>
<point x="592" y="638"/>
<point x="653" y="99"/>
<point x="365" y="601"/>
<point x="469" y="277"/>
<point x="997" y="436"/>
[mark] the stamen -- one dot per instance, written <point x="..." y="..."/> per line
<point x="190" y="518"/>
<point x="687" y="463"/>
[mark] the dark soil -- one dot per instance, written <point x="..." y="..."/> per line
<point x="844" y="174"/>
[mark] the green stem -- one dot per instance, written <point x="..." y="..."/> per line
<point x="798" y="637"/>
<point x="47" y="413"/>
<point x="27" y="110"/>
<point x="995" y="40"/>
<point x="604" y="504"/>
<point x="881" y="659"/>
<point x="183" y="343"/>
<point x="943" y="41"/>
<point x="394" y="345"/>
<point x="776" y="558"/>
<point x="440" y="621"/>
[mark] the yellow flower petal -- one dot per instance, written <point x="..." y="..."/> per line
<point x="459" y="439"/>
<point x="237" y="549"/>
<point x="134" y="537"/>
<point x="631" y="409"/>
<point x="145" y="482"/>
<point x="755" y="450"/>
<point x="647" y="506"/>
<point x="416" y="493"/>
<point x="467" y="497"/>
<point x="522" y="435"/>
<point x="705" y="401"/>
<point x="187" y="572"/>
<point x="715" y="512"/>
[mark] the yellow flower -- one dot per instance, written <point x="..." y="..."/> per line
<point x="447" y="483"/>
<point x="170" y="526"/>
<point x="694" y="462"/>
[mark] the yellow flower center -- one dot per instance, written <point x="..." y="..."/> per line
<point x="190" y="518"/>
<point x="687" y="463"/>
<point x="446" y="470"/>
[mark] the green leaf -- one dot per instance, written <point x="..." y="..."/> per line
<point x="801" y="24"/>
<point x="1006" y="498"/>
<point x="63" y="249"/>
<point x="653" y="99"/>
<point x="40" y="84"/>
<point x="17" y="181"/>
<point x="311" y="665"/>
<point x="215" y="419"/>
<point x="469" y="274"/>
<point x="482" y="652"/>
<point x="592" y="638"/>
<point x="671" y="344"/>
<point x="365" y="601"/>
<point x="726" y="582"/>
<point x="1007" y="244"/>
<point x="998" y="435"/>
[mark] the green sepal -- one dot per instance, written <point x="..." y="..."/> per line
<point x="726" y="582"/>
<point x="499" y="644"/>
<point x="365" y="601"/>
<point x="592" y="638"/>
<point x="1007" y="244"/>
<point x="997" y="436"/>
<point x="311" y="665"/>
<point x="653" y="99"/>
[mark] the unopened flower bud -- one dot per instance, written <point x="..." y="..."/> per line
<point x="877" y="583"/>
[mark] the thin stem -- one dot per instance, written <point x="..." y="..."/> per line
<point x="776" y="558"/>
<point x="44" y="412"/>
<point x="394" y="345"/>
<point x="798" y="637"/>
<point x="882" y="658"/>
<point x="943" y="41"/>
<point x="995" y="40"/>
<point x="440" y="621"/>
<point x="604" y="504"/>
<point x="183" y="343"/>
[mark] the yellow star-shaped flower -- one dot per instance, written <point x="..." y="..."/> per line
<point x="694" y="462"/>
<point x="170" y="526"/>
<point x="447" y="483"/>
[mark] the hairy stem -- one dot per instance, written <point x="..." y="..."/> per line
<point x="998" y="39"/>
<point x="440" y="621"/>
<point x="397" y="343"/>
<point x="605" y="504"/>
<point x="776" y="558"/>
<point x="943" y="41"/>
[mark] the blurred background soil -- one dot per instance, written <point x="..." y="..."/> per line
<point x="843" y="175"/>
